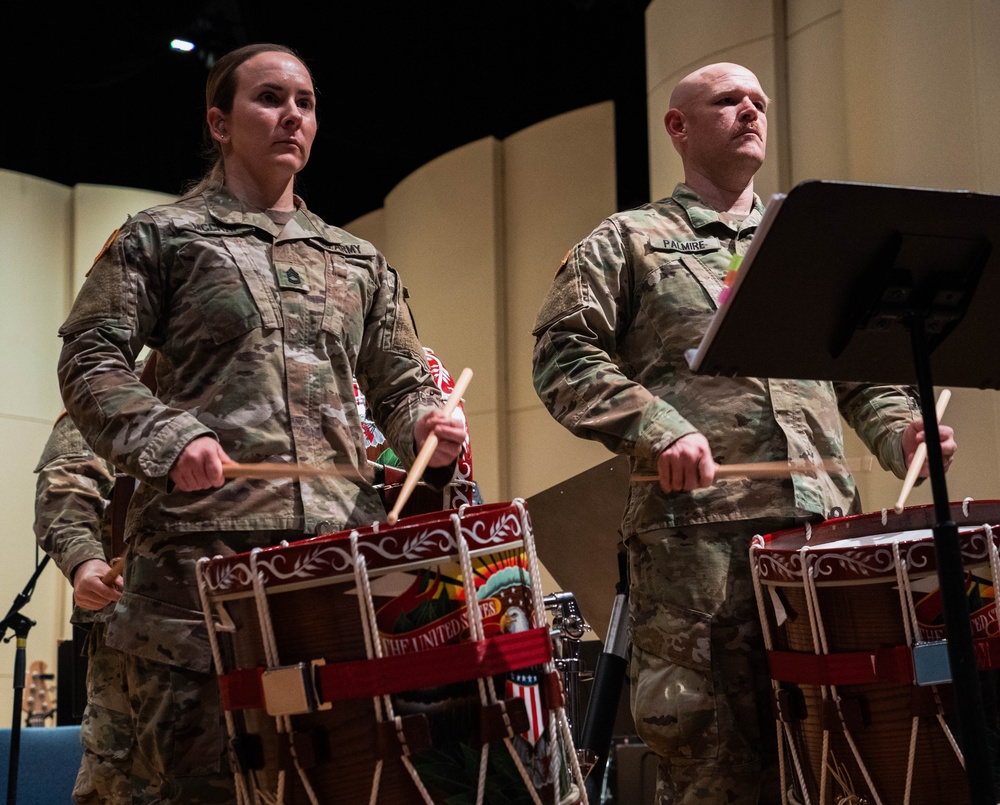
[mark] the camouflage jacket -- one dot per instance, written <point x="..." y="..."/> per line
<point x="609" y="364"/>
<point x="72" y="491"/>
<point x="261" y="329"/>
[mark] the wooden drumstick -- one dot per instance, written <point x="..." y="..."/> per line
<point x="114" y="570"/>
<point x="414" y="473"/>
<point x="778" y="469"/>
<point x="268" y="471"/>
<point x="920" y="455"/>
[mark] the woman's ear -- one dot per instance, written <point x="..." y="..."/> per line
<point x="217" y="125"/>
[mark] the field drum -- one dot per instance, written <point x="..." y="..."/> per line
<point x="853" y="626"/>
<point x="393" y="665"/>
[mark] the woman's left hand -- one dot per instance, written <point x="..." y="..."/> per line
<point x="450" y="433"/>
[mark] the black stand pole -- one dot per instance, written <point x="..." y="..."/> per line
<point x="20" y="624"/>
<point x="912" y="288"/>
<point x="951" y="577"/>
<point x="606" y="692"/>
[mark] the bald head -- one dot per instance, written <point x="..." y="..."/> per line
<point x="695" y="84"/>
<point x="717" y="121"/>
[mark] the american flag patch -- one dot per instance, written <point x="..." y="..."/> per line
<point x="524" y="685"/>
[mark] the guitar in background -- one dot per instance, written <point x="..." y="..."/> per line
<point x="38" y="700"/>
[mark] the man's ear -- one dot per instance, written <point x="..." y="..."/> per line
<point x="217" y="125"/>
<point x="673" y="122"/>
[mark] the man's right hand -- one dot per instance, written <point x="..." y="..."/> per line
<point x="686" y="465"/>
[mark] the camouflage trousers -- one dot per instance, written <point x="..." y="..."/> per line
<point x="181" y="743"/>
<point x="700" y="690"/>
<point x="106" y="728"/>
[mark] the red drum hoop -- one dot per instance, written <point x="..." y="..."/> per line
<point x="376" y="665"/>
<point x="850" y="611"/>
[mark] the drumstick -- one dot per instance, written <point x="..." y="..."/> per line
<point x="114" y="571"/>
<point x="414" y="473"/>
<point x="778" y="469"/>
<point x="268" y="471"/>
<point x="920" y="455"/>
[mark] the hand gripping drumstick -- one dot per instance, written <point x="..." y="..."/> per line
<point x="414" y="473"/>
<point x="114" y="570"/>
<point x="921" y="453"/>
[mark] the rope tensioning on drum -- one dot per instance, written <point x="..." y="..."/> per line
<point x="487" y="696"/>
<point x="557" y="715"/>
<point x="373" y="646"/>
<point x="242" y="793"/>
<point x="828" y="693"/>
<point x="911" y="627"/>
<point x="283" y="723"/>
<point x="783" y="726"/>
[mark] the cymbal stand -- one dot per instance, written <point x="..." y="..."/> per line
<point x="567" y="630"/>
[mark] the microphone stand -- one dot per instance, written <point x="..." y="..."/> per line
<point x="609" y="677"/>
<point x="20" y="624"/>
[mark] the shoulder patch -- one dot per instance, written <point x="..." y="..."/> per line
<point x="104" y="248"/>
<point x="562" y="263"/>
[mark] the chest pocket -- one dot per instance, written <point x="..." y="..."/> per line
<point x="232" y="287"/>
<point x="677" y="299"/>
<point x="349" y="291"/>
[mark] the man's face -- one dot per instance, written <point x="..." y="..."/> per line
<point x="725" y="121"/>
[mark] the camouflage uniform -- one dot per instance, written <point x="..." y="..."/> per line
<point x="72" y="526"/>
<point x="261" y="329"/>
<point x="609" y="364"/>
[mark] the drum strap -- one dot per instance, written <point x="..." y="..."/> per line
<point x="241" y="689"/>
<point x="125" y="484"/>
<point x="886" y="665"/>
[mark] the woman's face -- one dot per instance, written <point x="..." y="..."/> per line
<point x="272" y="125"/>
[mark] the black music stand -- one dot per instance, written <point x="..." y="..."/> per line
<point x="875" y="283"/>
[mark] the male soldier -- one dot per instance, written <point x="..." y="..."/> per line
<point x="625" y="305"/>
<point x="72" y="525"/>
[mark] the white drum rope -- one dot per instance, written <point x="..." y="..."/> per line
<point x="784" y="728"/>
<point x="476" y="633"/>
<point x="539" y="605"/>
<point x="965" y="506"/>
<point x="283" y="723"/>
<point x="816" y="621"/>
<point x="991" y="546"/>
<point x="911" y="628"/>
<point x="537" y="600"/>
<point x="819" y="647"/>
<point x="242" y="793"/>
<point x="360" y="583"/>
<point x="373" y="647"/>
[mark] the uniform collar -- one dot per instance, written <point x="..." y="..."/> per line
<point x="700" y="214"/>
<point x="225" y="208"/>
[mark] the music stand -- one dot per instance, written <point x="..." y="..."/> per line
<point x="876" y="283"/>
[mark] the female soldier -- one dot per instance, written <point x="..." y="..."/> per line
<point x="262" y="315"/>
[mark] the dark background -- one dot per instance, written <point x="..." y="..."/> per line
<point x="95" y="95"/>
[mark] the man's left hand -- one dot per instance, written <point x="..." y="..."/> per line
<point x="915" y="435"/>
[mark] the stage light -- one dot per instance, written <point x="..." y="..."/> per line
<point x="182" y="45"/>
